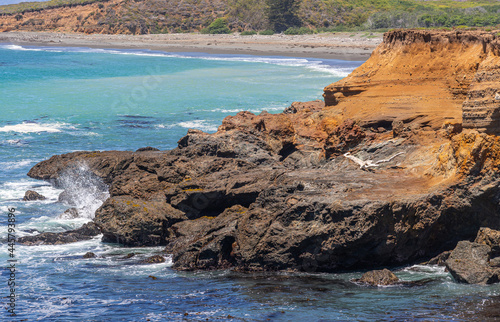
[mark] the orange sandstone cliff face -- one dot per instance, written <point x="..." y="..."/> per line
<point x="424" y="79"/>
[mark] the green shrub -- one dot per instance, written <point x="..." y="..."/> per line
<point x="267" y="32"/>
<point x="248" y="33"/>
<point x="298" y="31"/>
<point x="218" y="26"/>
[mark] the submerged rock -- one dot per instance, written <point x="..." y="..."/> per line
<point x="87" y="231"/>
<point x="154" y="259"/>
<point x="89" y="255"/>
<point x="378" y="277"/>
<point x="31" y="195"/>
<point x="70" y="213"/>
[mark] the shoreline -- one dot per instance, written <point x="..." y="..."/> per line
<point x="342" y="46"/>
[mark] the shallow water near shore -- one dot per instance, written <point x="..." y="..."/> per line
<point x="59" y="100"/>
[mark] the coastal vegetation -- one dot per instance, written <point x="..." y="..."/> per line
<point x="225" y="16"/>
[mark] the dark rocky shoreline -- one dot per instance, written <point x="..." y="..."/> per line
<point x="308" y="189"/>
<point x="233" y="200"/>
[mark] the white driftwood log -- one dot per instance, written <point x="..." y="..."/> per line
<point x="368" y="163"/>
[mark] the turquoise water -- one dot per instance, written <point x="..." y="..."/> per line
<point x="58" y="100"/>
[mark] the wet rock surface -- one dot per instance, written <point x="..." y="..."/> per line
<point x="154" y="259"/>
<point x="89" y="255"/>
<point x="87" y="231"/>
<point x="382" y="277"/>
<point x="31" y="195"/>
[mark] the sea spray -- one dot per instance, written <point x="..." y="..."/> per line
<point x="83" y="190"/>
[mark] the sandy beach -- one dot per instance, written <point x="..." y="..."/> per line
<point x="345" y="46"/>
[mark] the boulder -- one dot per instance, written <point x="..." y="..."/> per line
<point x="136" y="222"/>
<point x="469" y="263"/>
<point x="87" y="231"/>
<point x="70" y="213"/>
<point x="378" y="277"/>
<point x="89" y="255"/>
<point x="31" y="195"/>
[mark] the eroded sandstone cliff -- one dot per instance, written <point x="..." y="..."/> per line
<point x="424" y="78"/>
<point x="374" y="178"/>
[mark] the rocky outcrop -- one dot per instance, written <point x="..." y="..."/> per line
<point x="89" y="255"/>
<point x="477" y="262"/>
<point x="87" y="231"/>
<point x="133" y="222"/>
<point x="154" y="259"/>
<point x="287" y="192"/>
<point x="31" y="195"/>
<point x="424" y="79"/>
<point x="382" y="277"/>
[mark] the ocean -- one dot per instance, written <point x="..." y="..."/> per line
<point x="55" y="100"/>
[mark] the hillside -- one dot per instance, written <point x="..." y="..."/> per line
<point x="167" y="16"/>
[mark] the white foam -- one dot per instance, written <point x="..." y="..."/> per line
<point x="15" y="164"/>
<point x="15" y="142"/>
<point x="316" y="65"/>
<point x="15" y="190"/>
<point x="313" y="64"/>
<point x="27" y="127"/>
<point x="21" y="48"/>
<point x="202" y="125"/>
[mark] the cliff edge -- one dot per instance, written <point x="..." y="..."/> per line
<point x="425" y="78"/>
<point x="383" y="174"/>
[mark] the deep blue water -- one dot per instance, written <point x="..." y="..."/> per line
<point x="58" y="100"/>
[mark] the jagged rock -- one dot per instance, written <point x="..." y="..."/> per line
<point x="468" y="263"/>
<point x="154" y="259"/>
<point x="490" y="237"/>
<point x="89" y="255"/>
<point x="378" y="277"/>
<point x="207" y="242"/>
<point x="70" y="213"/>
<point x="135" y="222"/>
<point x="87" y="231"/>
<point x="31" y="195"/>
<point x="440" y="259"/>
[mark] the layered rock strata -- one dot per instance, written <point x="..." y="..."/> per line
<point x="419" y="77"/>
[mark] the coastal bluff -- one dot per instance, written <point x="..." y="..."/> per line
<point x="392" y="168"/>
<point x="425" y="77"/>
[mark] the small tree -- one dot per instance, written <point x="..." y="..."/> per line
<point x="218" y="26"/>
<point x="282" y="14"/>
